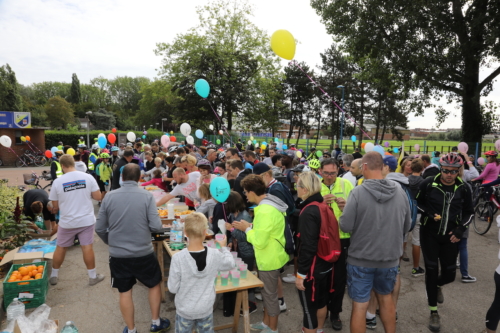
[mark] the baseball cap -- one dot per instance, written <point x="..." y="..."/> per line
<point x="391" y="162"/>
<point x="260" y="168"/>
<point x="290" y="153"/>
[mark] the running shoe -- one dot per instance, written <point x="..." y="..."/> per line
<point x="468" y="279"/>
<point x="258" y="297"/>
<point x="252" y="307"/>
<point x="283" y="307"/>
<point x="258" y="326"/>
<point x="405" y="256"/>
<point x="434" y="322"/>
<point x="336" y="323"/>
<point x="371" y="323"/>
<point x="289" y="278"/>
<point x="417" y="272"/>
<point x="163" y="327"/>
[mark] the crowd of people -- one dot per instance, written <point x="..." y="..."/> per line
<point x="325" y="214"/>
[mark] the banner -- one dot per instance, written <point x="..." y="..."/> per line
<point x="10" y="119"/>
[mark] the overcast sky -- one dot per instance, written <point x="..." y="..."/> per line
<point x="48" y="40"/>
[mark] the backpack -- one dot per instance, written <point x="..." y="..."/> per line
<point x="288" y="198"/>
<point x="413" y="205"/>
<point x="289" y="243"/>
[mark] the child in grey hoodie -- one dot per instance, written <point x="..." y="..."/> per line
<point x="192" y="274"/>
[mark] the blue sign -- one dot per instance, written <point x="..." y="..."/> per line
<point x="10" y="119"/>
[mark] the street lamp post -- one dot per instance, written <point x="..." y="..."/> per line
<point x="157" y="125"/>
<point x="88" y="113"/>
<point x="162" y="120"/>
<point x="342" y="122"/>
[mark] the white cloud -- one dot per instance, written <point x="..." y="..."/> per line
<point x="48" y="40"/>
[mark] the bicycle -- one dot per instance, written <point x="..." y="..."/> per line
<point x="33" y="180"/>
<point x="484" y="212"/>
<point x="28" y="158"/>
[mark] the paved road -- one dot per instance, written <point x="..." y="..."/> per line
<point x="95" y="309"/>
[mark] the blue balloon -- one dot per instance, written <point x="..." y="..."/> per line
<point x="219" y="188"/>
<point x="199" y="134"/>
<point x="143" y="136"/>
<point x="264" y="143"/>
<point x="379" y="150"/>
<point x="395" y="150"/>
<point x="285" y="147"/>
<point x="202" y="87"/>
<point x="102" y="142"/>
<point x="53" y="150"/>
<point x="276" y="140"/>
<point x="254" y="141"/>
<point x="353" y="138"/>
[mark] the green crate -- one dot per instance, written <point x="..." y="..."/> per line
<point x="12" y="289"/>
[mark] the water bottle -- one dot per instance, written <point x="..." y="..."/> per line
<point x="69" y="328"/>
<point x="15" y="309"/>
<point x="177" y="235"/>
<point x="39" y="222"/>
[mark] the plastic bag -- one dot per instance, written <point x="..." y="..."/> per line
<point x="48" y="326"/>
<point x="40" y="314"/>
<point x="25" y="325"/>
<point x="38" y="245"/>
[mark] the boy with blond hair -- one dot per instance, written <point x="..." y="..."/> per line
<point x="192" y="274"/>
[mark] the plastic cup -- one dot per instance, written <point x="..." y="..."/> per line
<point x="211" y="244"/>
<point x="243" y="270"/>
<point x="238" y="261"/>
<point x="235" y="278"/>
<point x="234" y="254"/>
<point x="224" y="278"/>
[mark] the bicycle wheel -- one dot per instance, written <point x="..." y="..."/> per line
<point x="48" y="188"/>
<point x="21" y="161"/>
<point x="483" y="216"/>
<point x="40" y="161"/>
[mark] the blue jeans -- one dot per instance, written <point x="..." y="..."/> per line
<point x="464" y="257"/>
<point x="361" y="280"/>
<point x="203" y="325"/>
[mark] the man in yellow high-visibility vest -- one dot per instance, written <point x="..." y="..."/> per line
<point x="55" y="166"/>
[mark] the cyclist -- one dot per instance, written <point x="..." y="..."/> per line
<point x="93" y="159"/>
<point x="492" y="169"/>
<point x="312" y="155"/>
<point x="445" y="202"/>
<point x="84" y="154"/>
<point x="81" y="141"/>
<point x="314" y="165"/>
<point x="55" y="167"/>
<point x="114" y="155"/>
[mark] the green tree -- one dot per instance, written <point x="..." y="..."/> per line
<point x="438" y="47"/>
<point x="59" y="112"/>
<point x="10" y="99"/>
<point x="103" y="119"/>
<point x="227" y="50"/>
<point x="75" y="96"/>
<point x="158" y="102"/>
<point x="44" y="91"/>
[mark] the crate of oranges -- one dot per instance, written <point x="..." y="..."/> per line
<point x="28" y="282"/>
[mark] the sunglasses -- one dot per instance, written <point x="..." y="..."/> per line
<point x="329" y="173"/>
<point x="453" y="172"/>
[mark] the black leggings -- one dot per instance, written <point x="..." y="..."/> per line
<point x="437" y="249"/>
<point x="493" y="314"/>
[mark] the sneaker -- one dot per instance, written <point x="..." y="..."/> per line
<point x="290" y="278"/>
<point x="258" y="326"/>
<point x="268" y="330"/>
<point x="336" y="323"/>
<point x="125" y="330"/>
<point x="417" y="272"/>
<point x="283" y="307"/>
<point x="258" y="297"/>
<point x="434" y="322"/>
<point x="405" y="256"/>
<point x="440" y="296"/>
<point x="98" y="278"/>
<point x="163" y="327"/>
<point x="371" y="323"/>
<point x="252" y="307"/>
<point x="468" y="279"/>
<point x="53" y="280"/>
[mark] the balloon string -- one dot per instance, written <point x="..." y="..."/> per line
<point x="12" y="150"/>
<point x="222" y="124"/>
<point x="32" y="146"/>
<point x="224" y="210"/>
<point x="331" y="99"/>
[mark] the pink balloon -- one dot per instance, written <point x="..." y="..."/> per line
<point x="165" y="141"/>
<point x="497" y="144"/>
<point x="463" y="147"/>
<point x="417" y="147"/>
<point x="480" y="161"/>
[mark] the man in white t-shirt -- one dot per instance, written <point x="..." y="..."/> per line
<point x="186" y="186"/>
<point x="72" y="195"/>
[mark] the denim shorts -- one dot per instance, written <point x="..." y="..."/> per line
<point x="203" y="325"/>
<point x="361" y="280"/>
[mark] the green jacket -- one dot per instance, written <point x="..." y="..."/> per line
<point x="104" y="171"/>
<point x="268" y="234"/>
<point x="342" y="188"/>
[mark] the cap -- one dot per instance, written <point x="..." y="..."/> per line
<point x="301" y="168"/>
<point x="290" y="153"/>
<point x="129" y="144"/>
<point x="122" y="145"/>
<point x="391" y="162"/>
<point x="203" y="162"/>
<point x="260" y="168"/>
<point x="114" y="149"/>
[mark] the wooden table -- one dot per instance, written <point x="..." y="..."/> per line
<point x="158" y="248"/>
<point x="251" y="281"/>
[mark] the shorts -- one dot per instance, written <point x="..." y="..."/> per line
<point x="102" y="186"/>
<point x="203" y="325"/>
<point x="66" y="237"/>
<point x="415" y="234"/>
<point x="126" y="271"/>
<point x="270" y="291"/>
<point x="322" y="284"/>
<point x="361" y="280"/>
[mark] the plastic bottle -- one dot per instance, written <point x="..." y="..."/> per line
<point x="69" y="328"/>
<point x="177" y="235"/>
<point x="15" y="309"/>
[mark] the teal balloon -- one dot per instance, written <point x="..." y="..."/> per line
<point x="285" y="147"/>
<point x="53" y="150"/>
<point x="396" y="150"/>
<point x="219" y="189"/>
<point x="202" y="88"/>
<point x="102" y="142"/>
<point x="143" y="136"/>
<point x="353" y="138"/>
<point x="276" y="140"/>
<point x="379" y="150"/>
<point x="199" y="133"/>
<point x="254" y="141"/>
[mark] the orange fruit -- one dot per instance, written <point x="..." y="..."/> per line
<point x="26" y="277"/>
<point x="15" y="272"/>
<point x="23" y="271"/>
<point x="40" y="268"/>
<point x="38" y="276"/>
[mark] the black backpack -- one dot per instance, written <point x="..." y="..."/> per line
<point x="413" y="204"/>
<point x="290" y="245"/>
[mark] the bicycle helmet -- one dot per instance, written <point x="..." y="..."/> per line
<point x="222" y="155"/>
<point x="312" y="148"/>
<point x="172" y="149"/>
<point x="114" y="149"/>
<point x="491" y="153"/>
<point x="203" y="162"/>
<point x="104" y="155"/>
<point x="301" y="168"/>
<point x="314" y="164"/>
<point x="105" y="151"/>
<point x="451" y="160"/>
<point x="82" y="146"/>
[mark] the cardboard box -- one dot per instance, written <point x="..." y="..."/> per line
<point x="44" y="235"/>
<point x="25" y="258"/>
<point x="18" y="330"/>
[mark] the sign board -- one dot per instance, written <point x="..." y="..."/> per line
<point x="10" y="119"/>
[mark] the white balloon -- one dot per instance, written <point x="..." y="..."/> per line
<point x="249" y="142"/>
<point x="185" y="129"/>
<point x="211" y="127"/>
<point x="189" y="139"/>
<point x="369" y="147"/>
<point x="5" y="141"/>
<point x="131" y="136"/>
<point x="221" y="132"/>
<point x="101" y="134"/>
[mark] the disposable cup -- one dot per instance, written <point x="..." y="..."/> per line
<point x="243" y="270"/>
<point x="211" y="244"/>
<point x="238" y="261"/>
<point x="224" y="278"/>
<point x="235" y="278"/>
<point x="219" y="237"/>
<point x="234" y="254"/>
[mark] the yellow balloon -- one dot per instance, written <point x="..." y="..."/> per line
<point x="23" y="139"/>
<point x="298" y="154"/>
<point x="263" y="147"/>
<point x="283" y="44"/>
<point x="70" y="151"/>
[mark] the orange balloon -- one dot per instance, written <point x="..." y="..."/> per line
<point x="363" y="145"/>
<point x="28" y="138"/>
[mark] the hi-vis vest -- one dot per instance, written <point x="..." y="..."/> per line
<point x="81" y="142"/>
<point x="59" y="171"/>
<point x="91" y="164"/>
